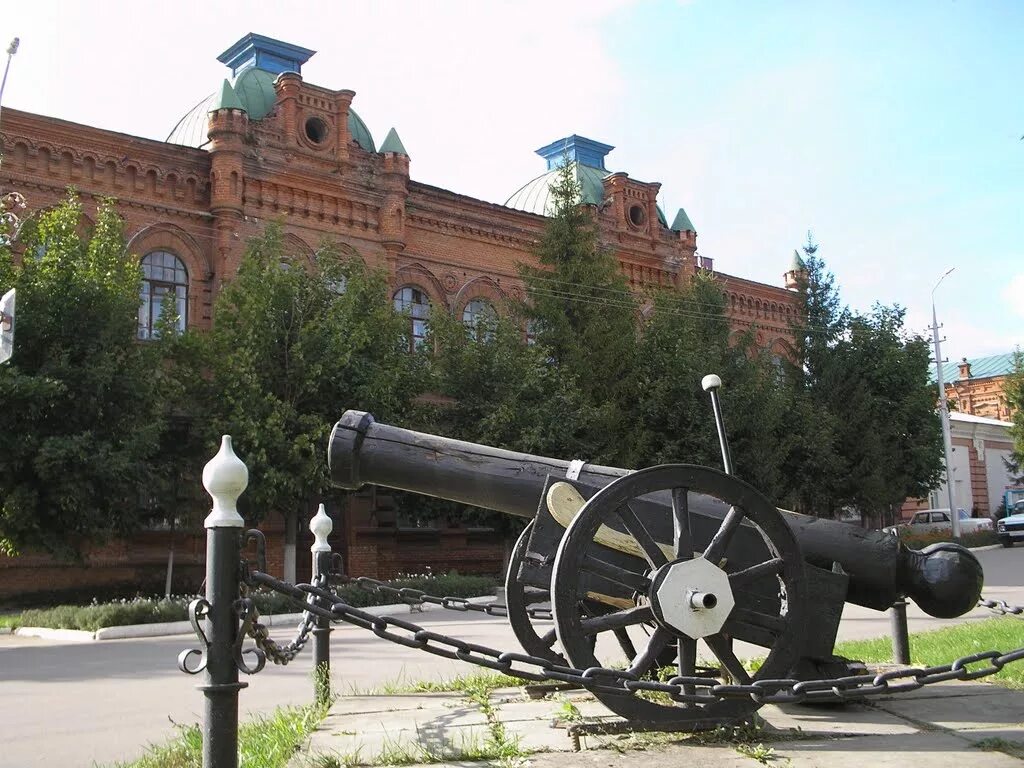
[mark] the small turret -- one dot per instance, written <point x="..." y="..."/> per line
<point x="797" y="274"/>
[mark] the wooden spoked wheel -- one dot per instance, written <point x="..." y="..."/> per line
<point x="738" y="574"/>
<point x="537" y="639"/>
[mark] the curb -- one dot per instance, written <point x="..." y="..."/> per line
<point x="171" y="628"/>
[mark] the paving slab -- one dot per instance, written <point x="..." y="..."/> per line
<point x="850" y="720"/>
<point x="950" y="726"/>
<point x="933" y="749"/>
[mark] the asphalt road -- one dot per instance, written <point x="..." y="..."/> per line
<point x="78" y="704"/>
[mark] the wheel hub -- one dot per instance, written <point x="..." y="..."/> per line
<point x="691" y="597"/>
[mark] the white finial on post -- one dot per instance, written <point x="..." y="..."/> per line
<point x="225" y="477"/>
<point x="321" y="526"/>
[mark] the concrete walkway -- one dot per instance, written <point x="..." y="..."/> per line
<point x="950" y="725"/>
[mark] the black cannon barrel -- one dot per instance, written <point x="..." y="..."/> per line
<point x="945" y="580"/>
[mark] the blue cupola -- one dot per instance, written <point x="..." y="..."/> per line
<point x="266" y="53"/>
<point x="575" y="149"/>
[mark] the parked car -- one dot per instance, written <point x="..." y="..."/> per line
<point x="1011" y="527"/>
<point x="937" y="519"/>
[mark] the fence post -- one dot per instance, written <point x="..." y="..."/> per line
<point x="321" y="526"/>
<point x="224" y="477"/>
<point x="900" y="635"/>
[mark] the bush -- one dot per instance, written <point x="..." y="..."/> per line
<point x="153" y="610"/>
<point x="925" y="538"/>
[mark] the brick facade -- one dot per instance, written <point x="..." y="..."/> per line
<point x="301" y="164"/>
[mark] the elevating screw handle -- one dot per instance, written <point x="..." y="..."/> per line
<point x="711" y="384"/>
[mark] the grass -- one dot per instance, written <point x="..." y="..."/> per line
<point x="942" y="646"/>
<point x="263" y="742"/>
<point x="467" y="684"/>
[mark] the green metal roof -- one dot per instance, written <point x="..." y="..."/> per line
<point x="535" y="195"/>
<point x="981" y="367"/>
<point x="255" y="88"/>
<point x="393" y="144"/>
<point x="253" y="91"/>
<point x="798" y="263"/>
<point x="226" y="99"/>
<point x="682" y="222"/>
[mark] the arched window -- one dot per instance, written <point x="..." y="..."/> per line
<point x="480" y="317"/>
<point x="163" y="275"/>
<point x="414" y="302"/>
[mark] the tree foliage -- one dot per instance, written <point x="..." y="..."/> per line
<point x="290" y="352"/>
<point x="581" y="313"/>
<point x="82" y="407"/>
<point x="863" y="406"/>
<point x="1014" y="390"/>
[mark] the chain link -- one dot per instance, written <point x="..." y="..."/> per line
<point x="277" y="653"/>
<point x="690" y="690"/>
<point x="1002" y="607"/>
<point x="411" y="596"/>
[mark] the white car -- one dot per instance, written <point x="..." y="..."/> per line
<point x="1011" y="527"/>
<point x="938" y="519"/>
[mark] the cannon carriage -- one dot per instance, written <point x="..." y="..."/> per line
<point x="660" y="571"/>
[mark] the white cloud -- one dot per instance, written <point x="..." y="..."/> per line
<point x="1013" y="294"/>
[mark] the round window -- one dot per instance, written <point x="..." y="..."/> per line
<point x="316" y="130"/>
<point x="637" y="217"/>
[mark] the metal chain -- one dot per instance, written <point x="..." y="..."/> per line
<point x="277" y="653"/>
<point x="411" y="596"/>
<point x="693" y="690"/>
<point x="1002" y="607"/>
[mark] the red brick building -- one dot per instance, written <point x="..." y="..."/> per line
<point x="268" y="145"/>
<point x="978" y="386"/>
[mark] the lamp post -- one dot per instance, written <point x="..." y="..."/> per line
<point x="11" y="50"/>
<point x="947" y="440"/>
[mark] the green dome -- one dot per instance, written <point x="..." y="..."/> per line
<point x="254" y="88"/>
<point x="535" y="195"/>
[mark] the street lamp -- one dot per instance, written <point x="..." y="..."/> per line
<point x="947" y="440"/>
<point x="11" y="50"/>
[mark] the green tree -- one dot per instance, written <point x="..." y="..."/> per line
<point x="668" y="413"/>
<point x="292" y="347"/>
<point x="866" y="432"/>
<point x="82" y="412"/>
<point x="581" y="313"/>
<point x="1015" y="400"/>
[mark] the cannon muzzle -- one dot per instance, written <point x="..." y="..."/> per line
<point x="945" y="580"/>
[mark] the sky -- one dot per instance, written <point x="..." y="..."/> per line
<point x="892" y="131"/>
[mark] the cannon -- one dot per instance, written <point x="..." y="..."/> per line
<point x="662" y="564"/>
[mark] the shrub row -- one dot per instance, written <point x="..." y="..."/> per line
<point x="152" y="610"/>
<point x="925" y="538"/>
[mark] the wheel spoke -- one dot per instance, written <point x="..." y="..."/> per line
<point x="648" y="657"/>
<point x="724" y="535"/>
<point x="548" y="638"/>
<point x="635" y="581"/>
<point x="753" y="573"/>
<point x="625" y="643"/>
<point x="720" y="646"/>
<point x="617" y="620"/>
<point x="535" y="596"/>
<point x="643" y="537"/>
<point x="682" y="532"/>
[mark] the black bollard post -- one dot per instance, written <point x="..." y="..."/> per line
<point x="225" y="477"/>
<point x="321" y="527"/>
<point x="900" y="635"/>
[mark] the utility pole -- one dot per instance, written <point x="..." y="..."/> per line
<point x="947" y="440"/>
